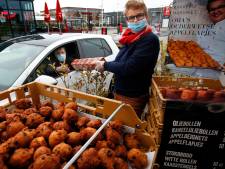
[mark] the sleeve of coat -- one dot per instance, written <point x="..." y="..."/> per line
<point x="142" y="59"/>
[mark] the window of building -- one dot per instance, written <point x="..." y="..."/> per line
<point x="26" y="5"/>
<point x="14" y="4"/>
<point x="2" y="4"/>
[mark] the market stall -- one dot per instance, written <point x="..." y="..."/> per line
<point x="187" y="109"/>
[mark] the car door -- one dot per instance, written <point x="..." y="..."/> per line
<point x="46" y="66"/>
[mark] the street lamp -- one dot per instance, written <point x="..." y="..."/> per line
<point x="102" y="11"/>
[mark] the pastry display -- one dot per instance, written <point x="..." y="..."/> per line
<point x="193" y="94"/>
<point x="190" y="54"/>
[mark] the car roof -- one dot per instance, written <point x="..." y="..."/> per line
<point x="48" y="39"/>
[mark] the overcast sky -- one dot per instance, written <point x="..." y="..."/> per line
<point x="108" y="5"/>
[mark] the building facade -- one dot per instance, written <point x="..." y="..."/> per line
<point x="79" y="18"/>
<point x="114" y="18"/>
<point x="16" y="18"/>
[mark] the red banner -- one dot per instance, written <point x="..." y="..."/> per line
<point x="47" y="17"/>
<point x="58" y="12"/>
<point x="166" y="11"/>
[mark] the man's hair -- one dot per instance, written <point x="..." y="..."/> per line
<point x="136" y="4"/>
<point x="59" y="49"/>
<point x="209" y="2"/>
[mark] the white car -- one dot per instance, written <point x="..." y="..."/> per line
<point x="20" y="58"/>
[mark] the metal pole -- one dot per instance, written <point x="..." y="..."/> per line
<point x="84" y="147"/>
<point x="102" y="12"/>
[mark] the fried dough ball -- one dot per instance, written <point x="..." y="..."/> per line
<point x="6" y="146"/>
<point x="24" y="137"/>
<point x="24" y="103"/>
<point x="116" y="125"/>
<point x="121" y="151"/>
<point x="61" y="125"/>
<point x="60" y="106"/>
<point x="47" y="103"/>
<point x="14" y="127"/>
<point x="38" y="142"/>
<point x="57" y="137"/>
<point x="76" y="149"/>
<point x="104" y="144"/>
<point x="4" y="136"/>
<point x="89" y="159"/>
<point x="120" y="163"/>
<point x="40" y="151"/>
<point x="137" y="158"/>
<point x="95" y="123"/>
<point x="82" y="121"/>
<point x="57" y="114"/>
<point x="101" y="144"/>
<point x="106" y="156"/>
<point x="86" y="133"/>
<point x="71" y="105"/>
<point x="71" y="167"/>
<point x="70" y="116"/>
<point x="29" y="111"/>
<point x="44" y="129"/>
<point x="12" y="117"/>
<point x="47" y="161"/>
<point x="63" y="150"/>
<point x="33" y="120"/>
<point x="73" y="138"/>
<point x="45" y="111"/>
<point x="3" y="126"/>
<point x="21" y="158"/>
<point x="113" y="136"/>
<point x="16" y="110"/>
<point x="2" y="113"/>
<point x="2" y="164"/>
<point x="131" y="141"/>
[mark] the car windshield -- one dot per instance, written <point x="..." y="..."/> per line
<point x="14" y="60"/>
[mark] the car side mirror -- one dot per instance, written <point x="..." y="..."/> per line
<point x="46" y="79"/>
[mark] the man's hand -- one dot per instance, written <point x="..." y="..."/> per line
<point x="63" y="69"/>
<point x="99" y="66"/>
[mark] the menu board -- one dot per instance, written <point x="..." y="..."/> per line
<point x="193" y="136"/>
<point x="189" y="19"/>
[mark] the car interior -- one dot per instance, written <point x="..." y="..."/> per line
<point x="46" y="67"/>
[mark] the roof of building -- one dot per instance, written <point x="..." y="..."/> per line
<point x="47" y="39"/>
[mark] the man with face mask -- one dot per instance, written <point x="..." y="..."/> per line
<point x="60" y="63"/>
<point x="134" y="64"/>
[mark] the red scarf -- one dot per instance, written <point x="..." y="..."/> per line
<point x="129" y="37"/>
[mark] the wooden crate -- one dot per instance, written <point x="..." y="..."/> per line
<point x="158" y="104"/>
<point x="102" y="107"/>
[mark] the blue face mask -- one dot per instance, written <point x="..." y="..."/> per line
<point x="137" y="26"/>
<point x="61" y="57"/>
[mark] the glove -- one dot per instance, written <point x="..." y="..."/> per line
<point x="99" y="66"/>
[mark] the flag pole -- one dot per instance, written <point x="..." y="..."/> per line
<point x="48" y="29"/>
<point x="60" y="31"/>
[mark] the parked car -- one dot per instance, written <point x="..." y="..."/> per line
<point x="20" y="58"/>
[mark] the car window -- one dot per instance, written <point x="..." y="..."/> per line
<point x="106" y="47"/>
<point x="14" y="59"/>
<point x="50" y="63"/>
<point x="93" y="47"/>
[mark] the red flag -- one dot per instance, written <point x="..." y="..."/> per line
<point x="46" y="14"/>
<point x="58" y="12"/>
